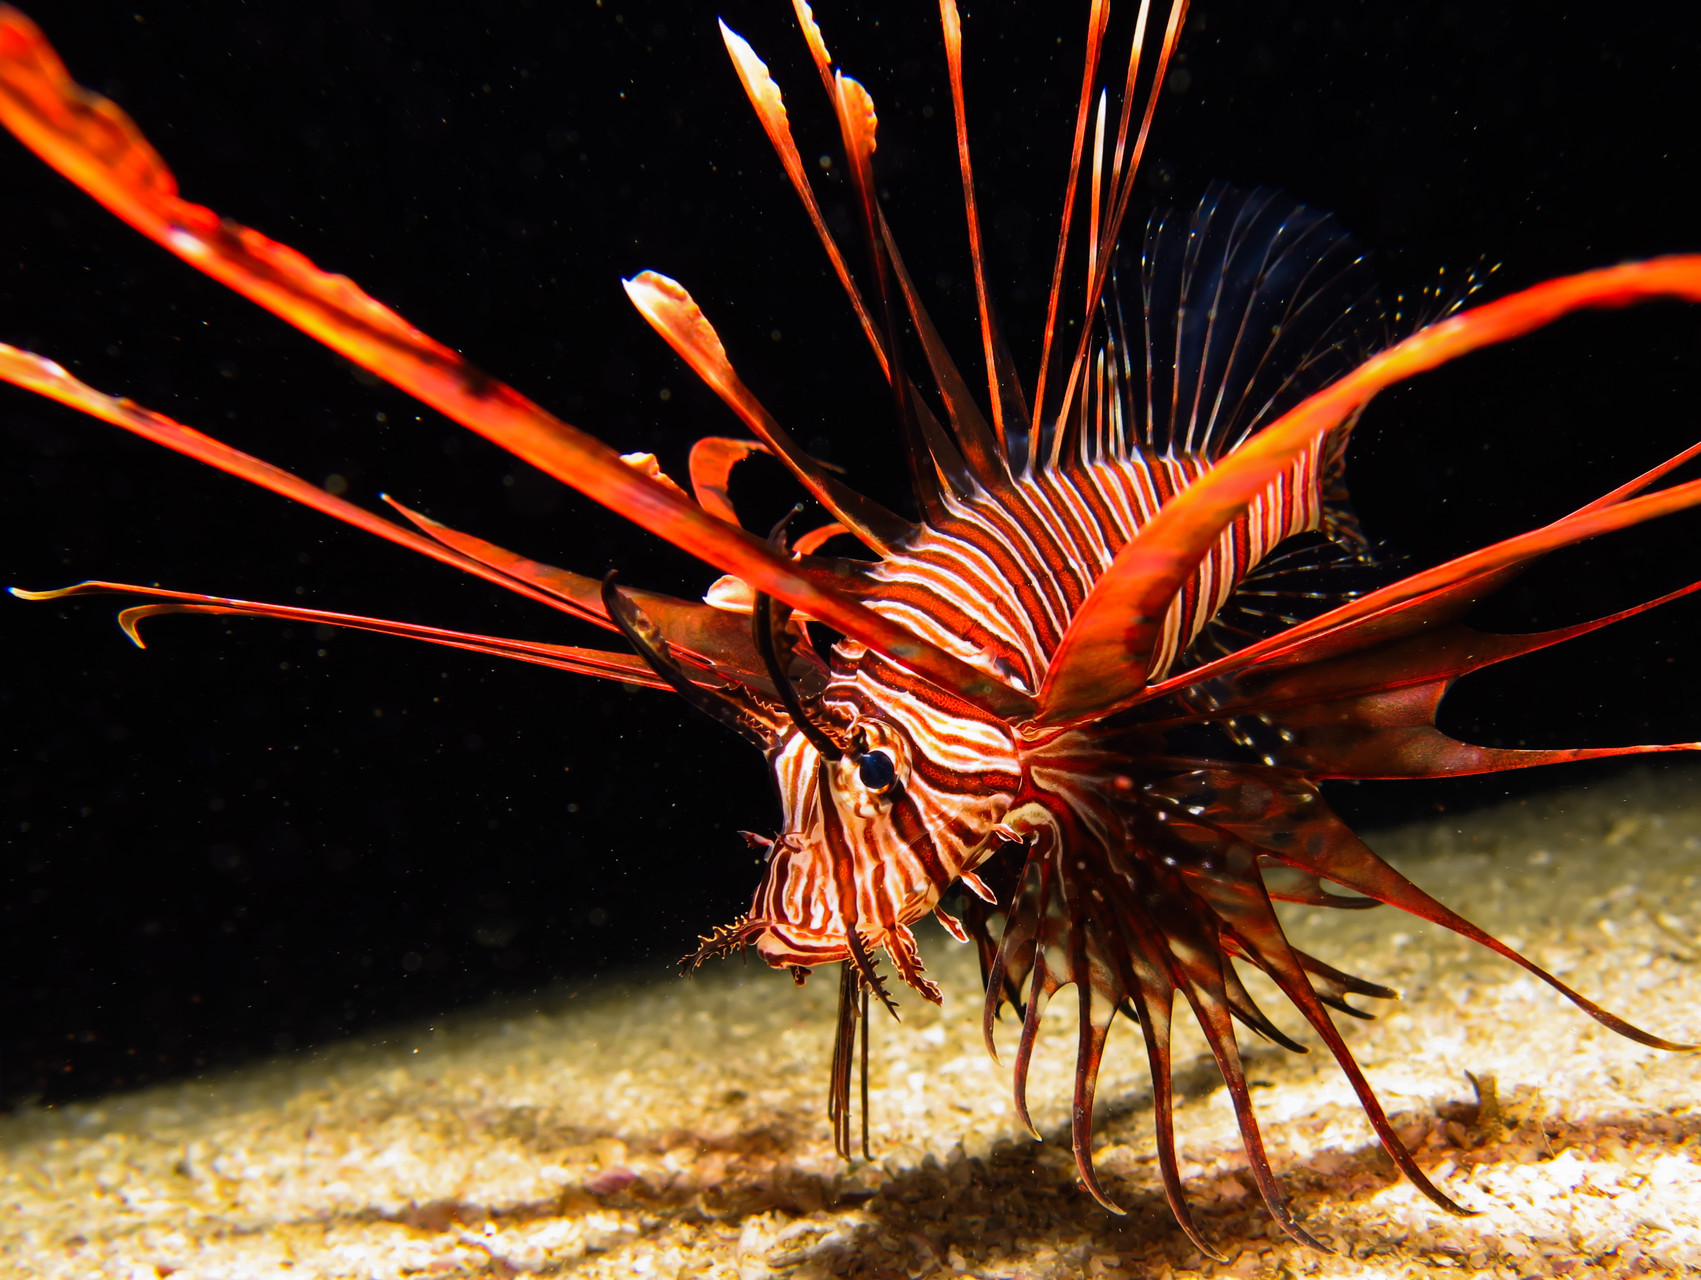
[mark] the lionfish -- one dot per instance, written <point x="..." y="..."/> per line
<point x="1096" y="679"/>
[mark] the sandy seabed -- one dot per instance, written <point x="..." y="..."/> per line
<point x="676" y="1129"/>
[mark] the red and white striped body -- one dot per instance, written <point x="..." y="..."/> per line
<point x="995" y="584"/>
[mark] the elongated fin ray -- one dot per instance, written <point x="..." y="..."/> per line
<point x="1234" y="891"/>
<point x="711" y="464"/>
<point x="91" y="142"/>
<point x="992" y="352"/>
<point x="1371" y="714"/>
<point x="1097" y="18"/>
<point x="35" y="373"/>
<point x="709" y="635"/>
<point x="859" y="129"/>
<point x="1265" y="811"/>
<point x="1104" y="658"/>
<point x="1122" y="183"/>
<point x="980" y="447"/>
<point x="770" y="108"/>
<point x="591" y="662"/>
<point x="673" y="314"/>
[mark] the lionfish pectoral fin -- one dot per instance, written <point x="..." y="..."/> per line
<point x="1097" y="998"/>
<point x="1153" y="996"/>
<point x="1211" y="1010"/>
<point x="1007" y="968"/>
<point x="591" y="662"/>
<point x="1104" y="660"/>
<point x="1267" y="809"/>
<point x="94" y="144"/>
<point x="31" y="372"/>
<point x="1246" y="1011"/>
<point x="580" y="592"/>
<point x="1232" y="886"/>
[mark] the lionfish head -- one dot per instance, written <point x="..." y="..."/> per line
<point x="887" y="801"/>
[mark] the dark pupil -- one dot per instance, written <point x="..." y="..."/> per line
<point x="876" y="770"/>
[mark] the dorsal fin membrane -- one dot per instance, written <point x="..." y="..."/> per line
<point x="1252" y="302"/>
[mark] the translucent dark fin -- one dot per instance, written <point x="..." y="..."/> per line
<point x="1251" y="303"/>
<point x="1310" y="576"/>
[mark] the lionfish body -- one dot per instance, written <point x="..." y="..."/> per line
<point x="1088" y="682"/>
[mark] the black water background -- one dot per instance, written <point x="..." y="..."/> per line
<point x="255" y="838"/>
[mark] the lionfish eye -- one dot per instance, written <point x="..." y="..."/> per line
<point x="876" y="770"/>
